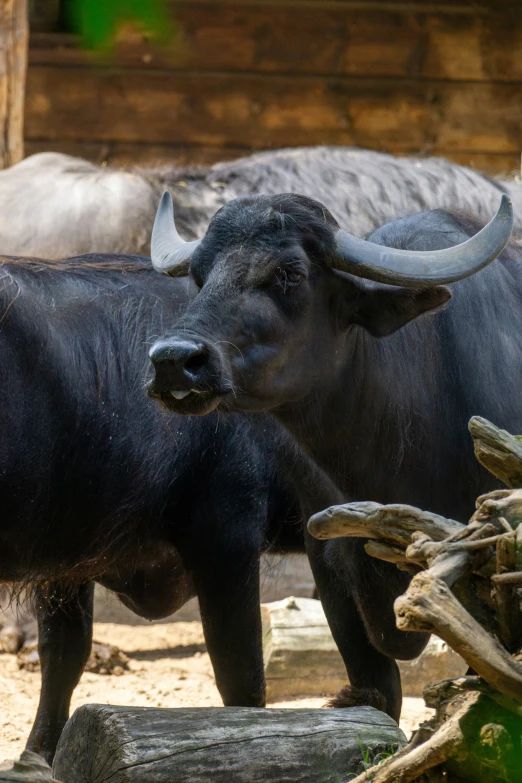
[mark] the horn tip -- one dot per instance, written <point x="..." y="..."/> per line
<point x="166" y="196"/>
<point x="505" y="211"/>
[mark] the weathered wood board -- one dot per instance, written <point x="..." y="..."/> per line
<point x="342" y="38"/>
<point x="222" y="745"/>
<point x="256" y="110"/>
<point x="301" y="656"/>
<point x="405" y="77"/>
<point x="14" y="34"/>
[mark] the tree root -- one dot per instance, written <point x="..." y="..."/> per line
<point x="429" y="605"/>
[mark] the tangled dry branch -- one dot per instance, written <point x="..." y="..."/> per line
<point x="465" y="590"/>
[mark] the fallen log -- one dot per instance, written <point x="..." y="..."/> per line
<point x="224" y="745"/>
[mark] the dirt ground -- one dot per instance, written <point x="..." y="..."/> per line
<point x="169" y="667"/>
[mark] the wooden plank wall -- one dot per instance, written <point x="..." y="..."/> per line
<point x="440" y="78"/>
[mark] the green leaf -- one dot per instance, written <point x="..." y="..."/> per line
<point x="98" y="21"/>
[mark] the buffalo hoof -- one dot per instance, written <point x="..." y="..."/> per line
<point x="29" y="768"/>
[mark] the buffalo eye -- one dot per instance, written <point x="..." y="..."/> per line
<point x="286" y="279"/>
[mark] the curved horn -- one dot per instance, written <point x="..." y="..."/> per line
<point x="170" y="253"/>
<point x="415" y="268"/>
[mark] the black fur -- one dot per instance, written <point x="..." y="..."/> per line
<point x="381" y="404"/>
<point x="98" y="482"/>
<point x="358" y="697"/>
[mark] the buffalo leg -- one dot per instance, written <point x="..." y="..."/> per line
<point x="374" y="677"/>
<point x="64" y="644"/>
<point x="224" y="562"/>
<point x="376" y="585"/>
<point x="228" y="590"/>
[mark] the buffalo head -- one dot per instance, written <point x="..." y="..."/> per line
<point x="283" y="293"/>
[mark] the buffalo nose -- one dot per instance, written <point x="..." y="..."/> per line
<point x="179" y="362"/>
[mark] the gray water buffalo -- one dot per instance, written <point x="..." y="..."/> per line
<point x="57" y="206"/>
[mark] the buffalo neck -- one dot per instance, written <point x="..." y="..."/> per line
<point x="371" y="426"/>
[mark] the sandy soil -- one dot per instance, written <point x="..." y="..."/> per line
<point x="169" y="667"/>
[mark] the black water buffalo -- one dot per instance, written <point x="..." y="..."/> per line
<point x="58" y="206"/>
<point x="300" y="318"/>
<point x="99" y="483"/>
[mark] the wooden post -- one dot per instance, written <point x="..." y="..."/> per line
<point x="14" y="34"/>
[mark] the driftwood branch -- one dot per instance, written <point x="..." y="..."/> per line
<point x="438" y="695"/>
<point x="513" y="578"/>
<point x="429" y="605"/>
<point x="415" y="759"/>
<point x="506" y="598"/>
<point x="503" y="506"/>
<point x="467" y="593"/>
<point x="497" y="450"/>
<point x="474" y="734"/>
<point x="394" y="524"/>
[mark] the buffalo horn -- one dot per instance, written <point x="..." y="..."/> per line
<point x="424" y="268"/>
<point x="170" y="253"/>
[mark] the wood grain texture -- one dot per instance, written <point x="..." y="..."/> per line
<point x="497" y="450"/>
<point x="299" y="652"/>
<point x="301" y="656"/>
<point x="14" y="31"/>
<point x="349" y="39"/>
<point x="225" y="745"/>
<point x="242" y="75"/>
<point x="128" y="154"/>
<point x="102" y="104"/>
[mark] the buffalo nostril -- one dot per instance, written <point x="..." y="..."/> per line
<point x="196" y="362"/>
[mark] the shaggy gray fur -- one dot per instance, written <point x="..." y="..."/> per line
<point x="54" y="205"/>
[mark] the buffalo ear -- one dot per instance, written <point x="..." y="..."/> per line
<point x="384" y="310"/>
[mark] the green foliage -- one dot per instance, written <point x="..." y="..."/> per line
<point x="98" y="21"/>
<point x="372" y="759"/>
